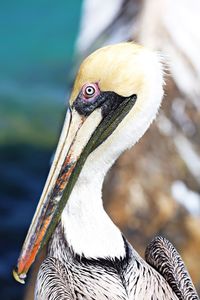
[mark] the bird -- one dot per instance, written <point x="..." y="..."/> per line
<point x="116" y="95"/>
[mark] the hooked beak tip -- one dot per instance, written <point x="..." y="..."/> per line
<point x="19" y="277"/>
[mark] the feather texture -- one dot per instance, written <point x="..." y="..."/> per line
<point x="65" y="275"/>
<point x="162" y="255"/>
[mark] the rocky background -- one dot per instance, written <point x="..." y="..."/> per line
<point x="154" y="189"/>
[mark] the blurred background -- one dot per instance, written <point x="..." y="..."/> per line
<point x="153" y="189"/>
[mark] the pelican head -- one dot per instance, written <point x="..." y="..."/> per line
<point x="116" y="95"/>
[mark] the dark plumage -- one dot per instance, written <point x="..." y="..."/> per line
<point x="67" y="276"/>
<point x="162" y="256"/>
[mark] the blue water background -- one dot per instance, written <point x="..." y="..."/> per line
<point x="37" y="41"/>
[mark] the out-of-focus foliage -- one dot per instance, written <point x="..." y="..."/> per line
<point x="155" y="188"/>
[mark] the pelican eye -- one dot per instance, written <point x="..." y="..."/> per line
<point x="90" y="90"/>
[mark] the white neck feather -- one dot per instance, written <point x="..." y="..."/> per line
<point x="88" y="229"/>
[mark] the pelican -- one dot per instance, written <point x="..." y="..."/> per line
<point x="116" y="95"/>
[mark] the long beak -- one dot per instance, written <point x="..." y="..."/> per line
<point x="80" y="136"/>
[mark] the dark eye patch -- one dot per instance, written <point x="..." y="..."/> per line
<point x="108" y="101"/>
